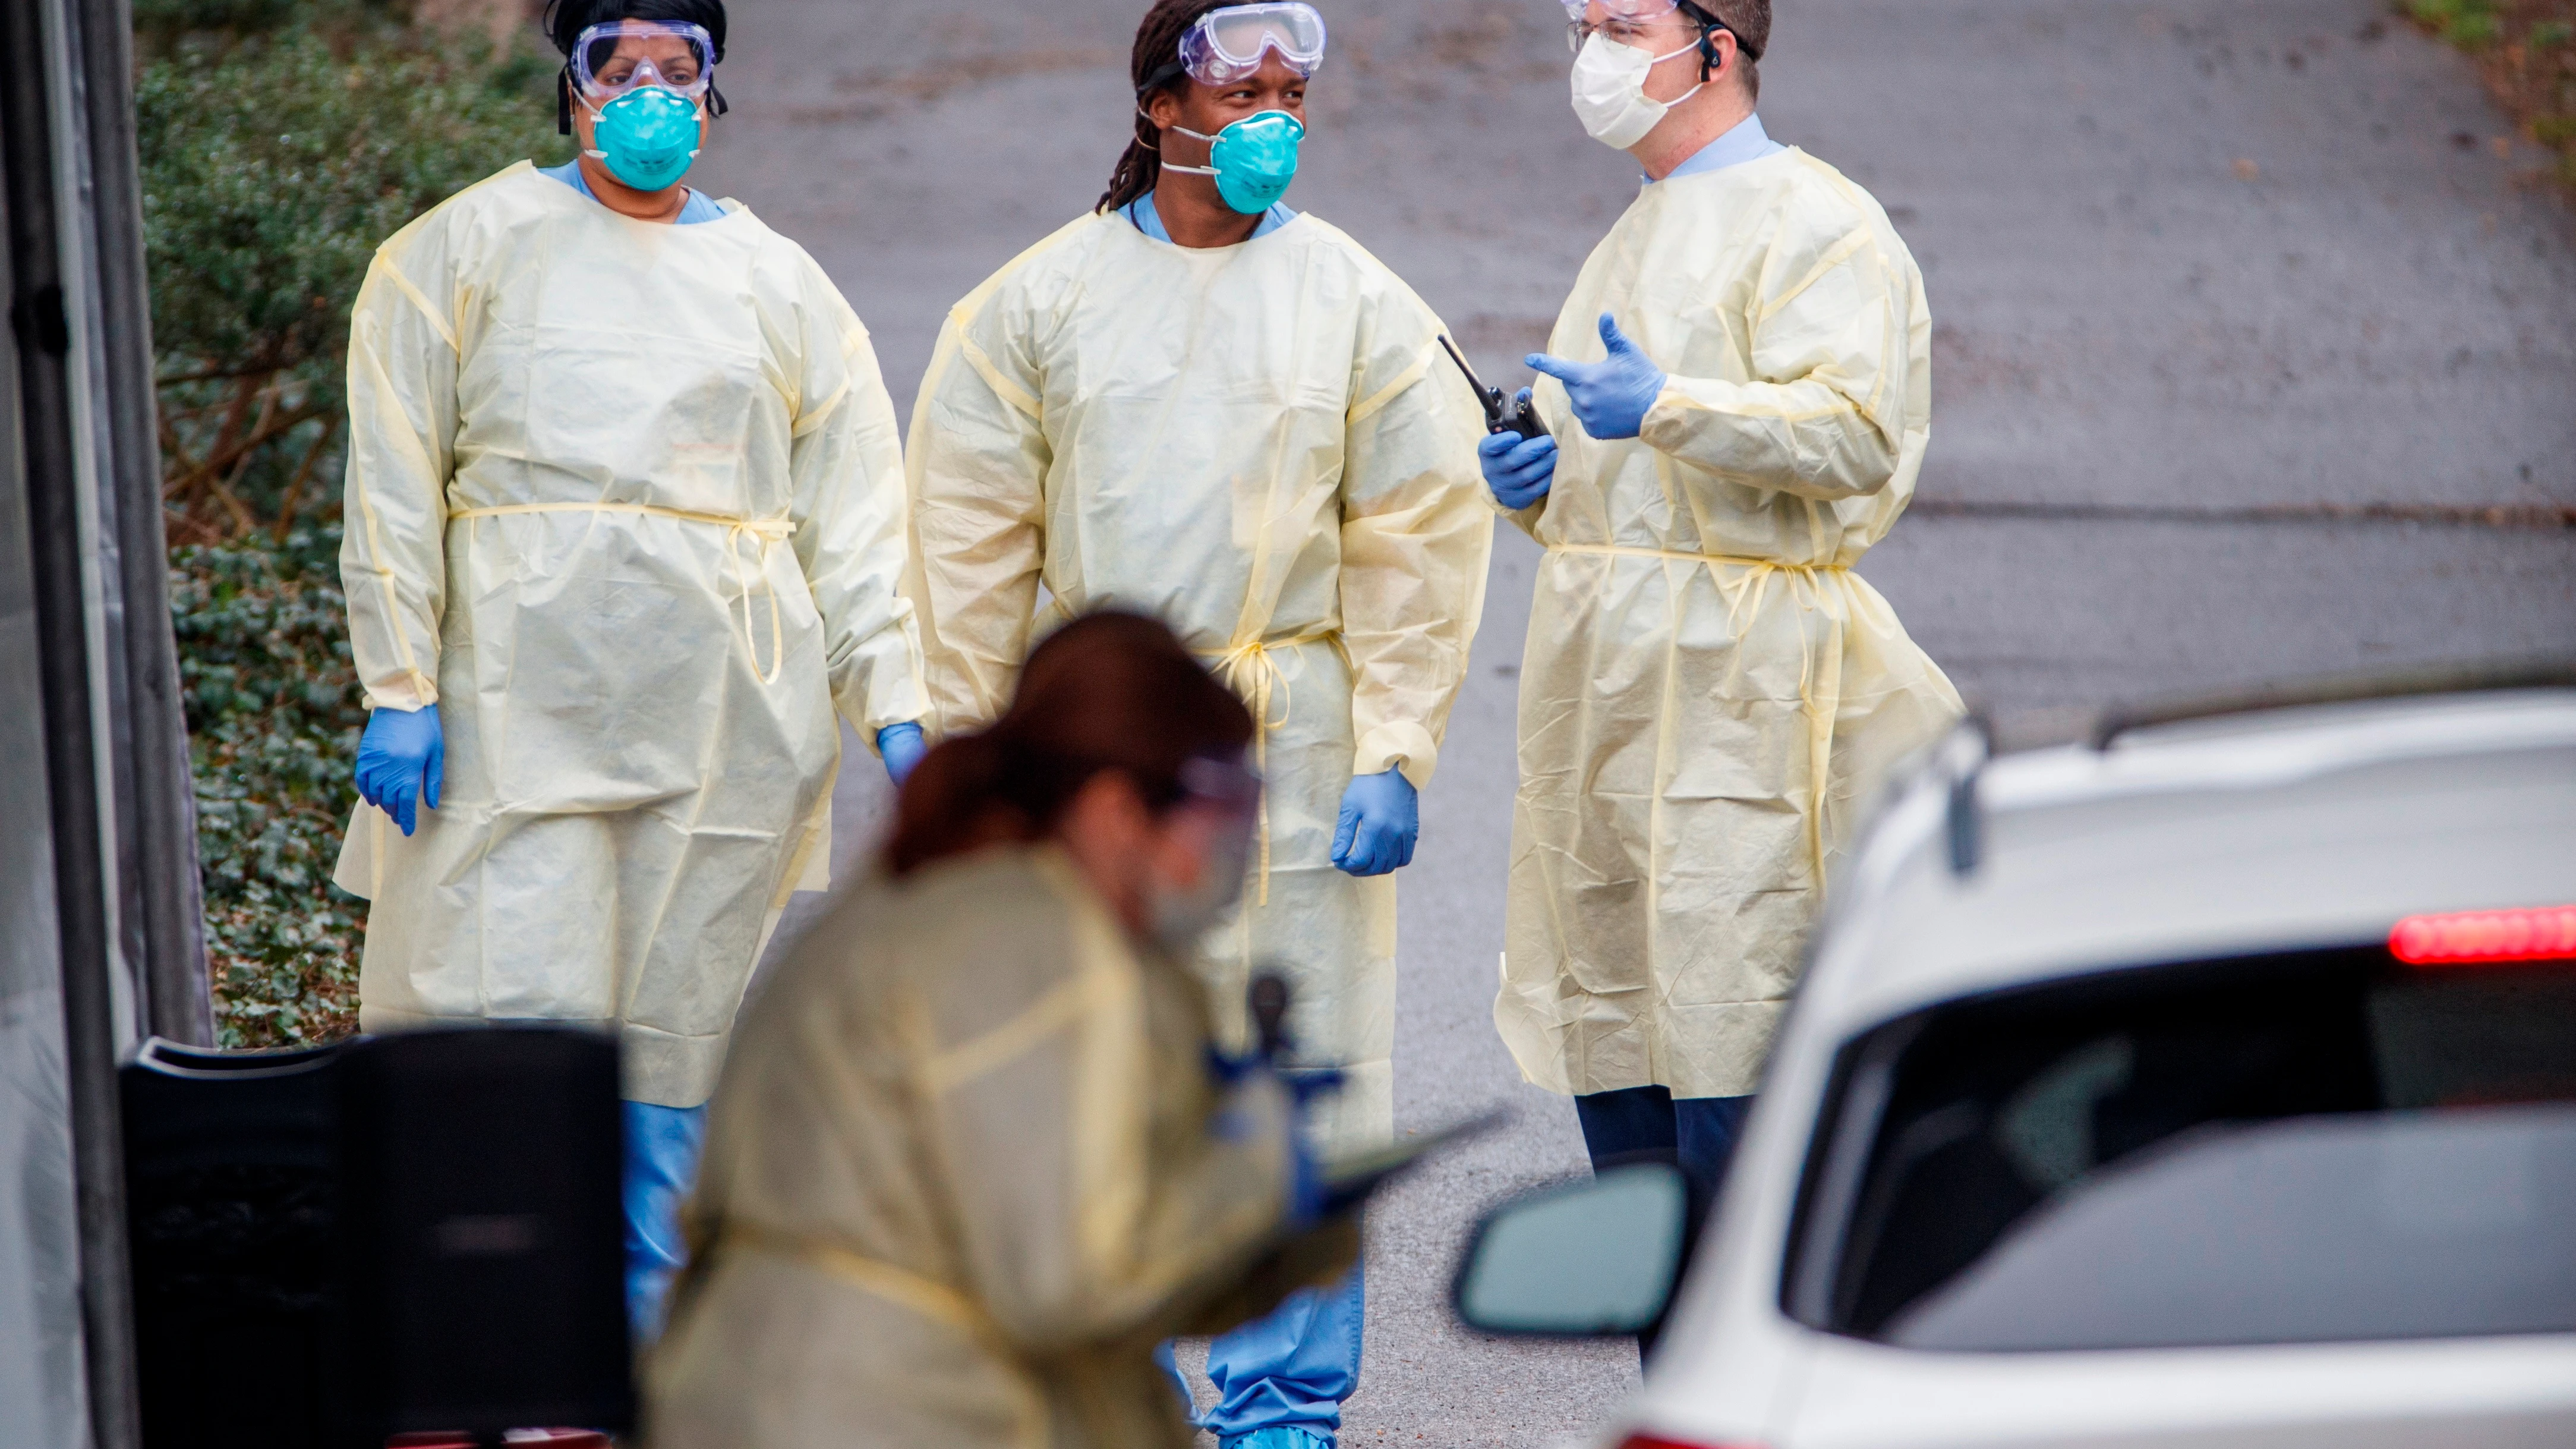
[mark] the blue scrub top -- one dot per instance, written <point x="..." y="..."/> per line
<point x="1149" y="221"/>
<point x="699" y="207"/>
<point x="1744" y="141"/>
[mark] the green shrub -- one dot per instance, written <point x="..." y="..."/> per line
<point x="2468" y="23"/>
<point x="273" y="720"/>
<point x="280" y="141"/>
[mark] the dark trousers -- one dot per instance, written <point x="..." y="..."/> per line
<point x="1647" y="1124"/>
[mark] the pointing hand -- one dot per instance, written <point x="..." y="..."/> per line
<point x="1610" y="397"/>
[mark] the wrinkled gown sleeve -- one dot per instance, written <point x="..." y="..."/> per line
<point x="1825" y="417"/>
<point x="1416" y="536"/>
<point x="1077" y="1219"/>
<point x="402" y="427"/>
<point x="978" y="468"/>
<point x="849" y="509"/>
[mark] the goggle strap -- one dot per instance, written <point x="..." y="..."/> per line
<point x="1162" y="75"/>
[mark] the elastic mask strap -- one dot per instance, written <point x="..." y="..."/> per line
<point x="1186" y="131"/>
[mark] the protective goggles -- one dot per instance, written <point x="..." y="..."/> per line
<point x="1621" y="18"/>
<point x="1631" y="11"/>
<point x="613" y="58"/>
<point x="1227" y="45"/>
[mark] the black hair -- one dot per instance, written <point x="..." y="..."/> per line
<point x="1155" y="65"/>
<point x="565" y="20"/>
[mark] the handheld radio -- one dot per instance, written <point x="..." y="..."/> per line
<point x="1504" y="412"/>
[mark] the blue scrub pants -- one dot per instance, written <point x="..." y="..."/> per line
<point x="1697" y="1133"/>
<point x="1280" y="1380"/>
<point x="662" y="1146"/>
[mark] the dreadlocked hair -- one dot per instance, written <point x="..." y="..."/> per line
<point x="1158" y="44"/>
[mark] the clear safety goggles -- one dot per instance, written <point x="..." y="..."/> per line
<point x="1626" y="22"/>
<point x="614" y="58"/>
<point x="1227" y="45"/>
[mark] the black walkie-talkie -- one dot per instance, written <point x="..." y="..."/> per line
<point x="1504" y="413"/>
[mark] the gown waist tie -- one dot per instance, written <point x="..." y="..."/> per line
<point x="768" y="531"/>
<point x="1818" y="699"/>
<point x="1248" y="670"/>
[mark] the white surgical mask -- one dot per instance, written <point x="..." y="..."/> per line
<point x="1610" y="90"/>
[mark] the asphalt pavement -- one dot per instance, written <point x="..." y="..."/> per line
<point x="2254" y="357"/>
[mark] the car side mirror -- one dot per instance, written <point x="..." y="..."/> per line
<point x="1589" y="1259"/>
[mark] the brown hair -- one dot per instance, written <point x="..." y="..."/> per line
<point x="1750" y="23"/>
<point x="1158" y="44"/>
<point x="1108" y="691"/>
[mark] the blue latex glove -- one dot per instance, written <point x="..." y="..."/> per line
<point x="1611" y="396"/>
<point x="1518" y="469"/>
<point x="902" y="747"/>
<point x="1381" y="817"/>
<point x="402" y="759"/>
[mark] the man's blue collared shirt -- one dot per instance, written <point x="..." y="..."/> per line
<point x="1744" y="141"/>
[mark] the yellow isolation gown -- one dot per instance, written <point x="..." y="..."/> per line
<point x="1708" y="690"/>
<point x="625" y="503"/>
<point x="1263" y="446"/>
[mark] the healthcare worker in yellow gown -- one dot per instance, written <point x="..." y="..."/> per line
<point x="975" y="1157"/>
<point x="624" y="527"/>
<point x="1740" y="393"/>
<point x="1197" y="403"/>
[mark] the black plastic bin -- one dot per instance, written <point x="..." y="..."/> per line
<point x="399" y="1233"/>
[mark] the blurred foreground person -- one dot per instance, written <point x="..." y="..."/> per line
<point x="1196" y="402"/>
<point x="624" y="525"/>
<point x="1708" y="687"/>
<point x="975" y="1155"/>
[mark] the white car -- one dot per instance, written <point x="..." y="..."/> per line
<point x="2213" y="1084"/>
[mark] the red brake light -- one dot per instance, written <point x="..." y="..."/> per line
<point x="2469" y="938"/>
<point x="1657" y="1441"/>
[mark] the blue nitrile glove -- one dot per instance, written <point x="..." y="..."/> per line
<point x="1610" y="397"/>
<point x="402" y="758"/>
<point x="1518" y="469"/>
<point x="902" y="747"/>
<point x="1381" y="817"/>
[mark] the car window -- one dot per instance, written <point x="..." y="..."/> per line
<point x="2305" y="1147"/>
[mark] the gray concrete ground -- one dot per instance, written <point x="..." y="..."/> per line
<point x="2208" y="277"/>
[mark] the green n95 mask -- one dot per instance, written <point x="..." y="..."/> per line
<point x="1253" y="160"/>
<point x="647" y="137"/>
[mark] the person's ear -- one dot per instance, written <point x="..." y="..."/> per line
<point x="1163" y="108"/>
<point x="1723" y="51"/>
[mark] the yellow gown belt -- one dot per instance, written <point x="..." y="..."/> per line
<point x="1819" y="691"/>
<point x="1248" y="670"/>
<point x="931" y="1299"/>
<point x="1622" y="550"/>
<point x="768" y="531"/>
